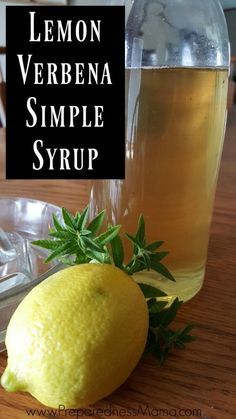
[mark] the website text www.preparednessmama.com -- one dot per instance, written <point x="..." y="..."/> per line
<point x="142" y="410"/>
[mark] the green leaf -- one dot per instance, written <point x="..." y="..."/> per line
<point x="151" y="292"/>
<point x="140" y="234"/>
<point x="80" y="259"/>
<point x="85" y="233"/>
<point x="65" y="249"/>
<point x="146" y="260"/>
<point x="154" y="246"/>
<point x="187" y="329"/>
<point x="66" y="235"/>
<point x="161" y="352"/>
<point x="134" y="240"/>
<point x="157" y="257"/>
<point x="188" y="339"/>
<point x="77" y="217"/>
<point x="99" y="257"/>
<point x="67" y="261"/>
<point x="92" y="245"/>
<point x="134" y="266"/>
<point x="170" y="314"/>
<point x="68" y="218"/>
<point x="117" y="251"/>
<point x="155" y="306"/>
<point x="47" y="244"/>
<point x="167" y="335"/>
<point x="97" y="222"/>
<point x="83" y="219"/>
<point x="165" y="317"/>
<point x="161" y="269"/>
<point x="184" y="336"/>
<point x="109" y="235"/>
<point x="56" y="223"/>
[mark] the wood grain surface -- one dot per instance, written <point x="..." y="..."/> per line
<point x="199" y="381"/>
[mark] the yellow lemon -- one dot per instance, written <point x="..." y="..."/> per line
<point x="77" y="336"/>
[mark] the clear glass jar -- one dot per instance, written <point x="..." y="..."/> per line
<point x="22" y="220"/>
<point x="177" y="61"/>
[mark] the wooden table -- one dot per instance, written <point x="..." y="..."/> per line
<point x="203" y="377"/>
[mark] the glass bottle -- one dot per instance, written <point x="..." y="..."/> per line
<point x="177" y="61"/>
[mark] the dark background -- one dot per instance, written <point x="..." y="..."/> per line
<point x="108" y="140"/>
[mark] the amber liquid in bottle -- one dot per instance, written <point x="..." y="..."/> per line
<point x="175" y="129"/>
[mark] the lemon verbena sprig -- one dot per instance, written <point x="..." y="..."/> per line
<point x="145" y="256"/>
<point x="76" y="240"/>
<point x="162" y="339"/>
